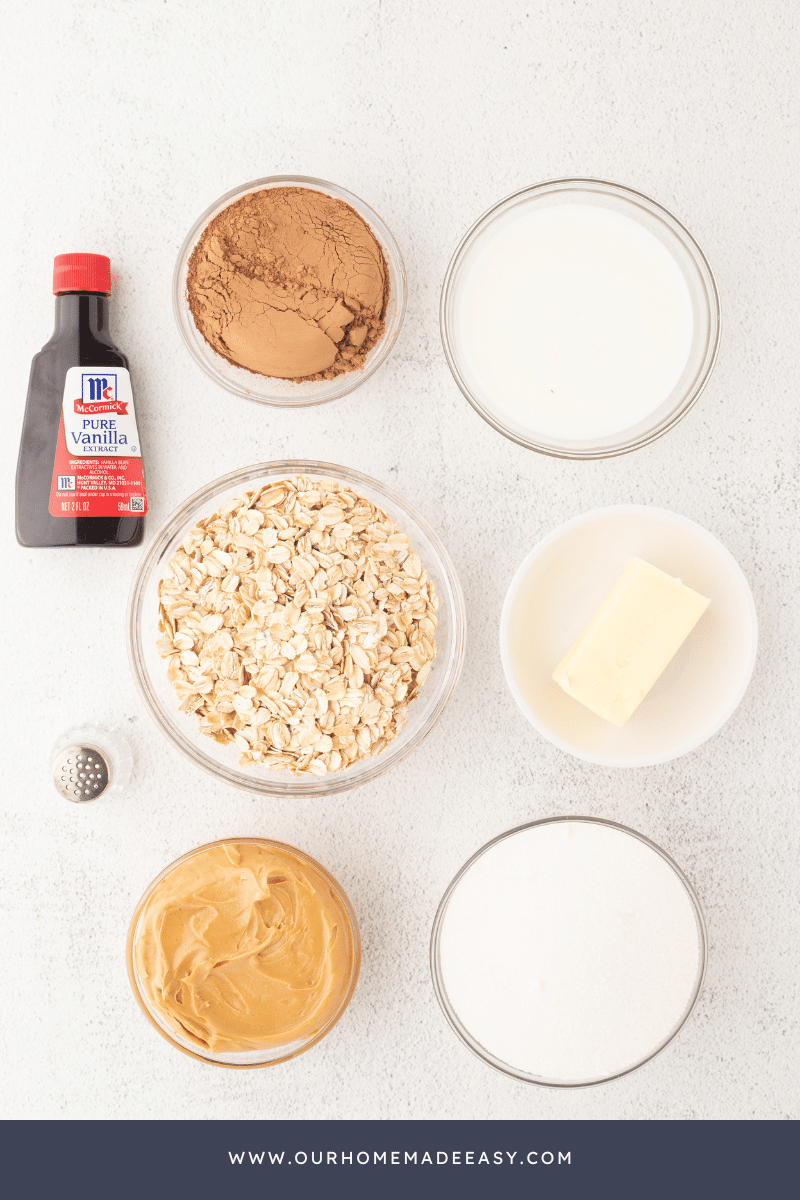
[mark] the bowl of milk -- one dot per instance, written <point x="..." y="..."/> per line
<point x="568" y="951"/>
<point x="580" y="318"/>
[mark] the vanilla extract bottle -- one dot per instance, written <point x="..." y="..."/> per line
<point x="80" y="480"/>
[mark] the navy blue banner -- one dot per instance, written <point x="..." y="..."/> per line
<point x="582" y="1159"/>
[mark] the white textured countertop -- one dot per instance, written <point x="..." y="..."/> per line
<point x="122" y="123"/>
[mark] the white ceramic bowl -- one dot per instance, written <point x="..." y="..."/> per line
<point x="560" y="585"/>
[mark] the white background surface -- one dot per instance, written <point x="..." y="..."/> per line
<point x="122" y="122"/>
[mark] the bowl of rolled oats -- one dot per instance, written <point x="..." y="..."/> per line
<point x="295" y="628"/>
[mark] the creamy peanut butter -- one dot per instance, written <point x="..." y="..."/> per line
<point x="244" y="945"/>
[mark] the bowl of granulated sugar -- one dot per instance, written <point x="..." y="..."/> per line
<point x="568" y="951"/>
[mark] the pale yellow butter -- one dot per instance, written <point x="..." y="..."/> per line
<point x="634" y="634"/>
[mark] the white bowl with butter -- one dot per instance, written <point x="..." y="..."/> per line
<point x="559" y="587"/>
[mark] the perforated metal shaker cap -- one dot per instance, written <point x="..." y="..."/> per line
<point x="90" y="762"/>
<point x="81" y="773"/>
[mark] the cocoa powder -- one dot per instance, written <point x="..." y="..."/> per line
<point x="289" y="282"/>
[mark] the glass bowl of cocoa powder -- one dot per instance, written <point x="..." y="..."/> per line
<point x="289" y="291"/>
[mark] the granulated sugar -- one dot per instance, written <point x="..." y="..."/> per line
<point x="570" y="950"/>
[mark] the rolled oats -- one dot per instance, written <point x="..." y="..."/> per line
<point x="297" y="623"/>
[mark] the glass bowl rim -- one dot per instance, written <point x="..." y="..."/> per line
<point x="340" y="781"/>
<point x="640" y="200"/>
<point x="347" y="908"/>
<point x="472" y="1043"/>
<point x="352" y="378"/>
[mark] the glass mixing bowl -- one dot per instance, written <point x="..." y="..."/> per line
<point x="285" y="392"/>
<point x="515" y="1071"/>
<point x="182" y="729"/>
<point x="274" y="1054"/>
<point x="685" y="253"/>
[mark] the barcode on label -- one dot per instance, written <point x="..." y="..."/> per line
<point x="137" y="503"/>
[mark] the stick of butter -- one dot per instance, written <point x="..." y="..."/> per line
<point x="634" y="634"/>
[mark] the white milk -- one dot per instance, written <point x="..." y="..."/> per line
<point x="570" y="950"/>
<point x="573" y="321"/>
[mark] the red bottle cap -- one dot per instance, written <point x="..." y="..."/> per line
<point x="81" y="273"/>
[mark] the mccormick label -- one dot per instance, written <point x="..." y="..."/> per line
<point x="98" y="465"/>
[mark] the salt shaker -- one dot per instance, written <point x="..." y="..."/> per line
<point x="90" y="761"/>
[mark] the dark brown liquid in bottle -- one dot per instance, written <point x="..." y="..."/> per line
<point x="80" y="339"/>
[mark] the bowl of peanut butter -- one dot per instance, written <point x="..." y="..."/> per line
<point x="243" y="953"/>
